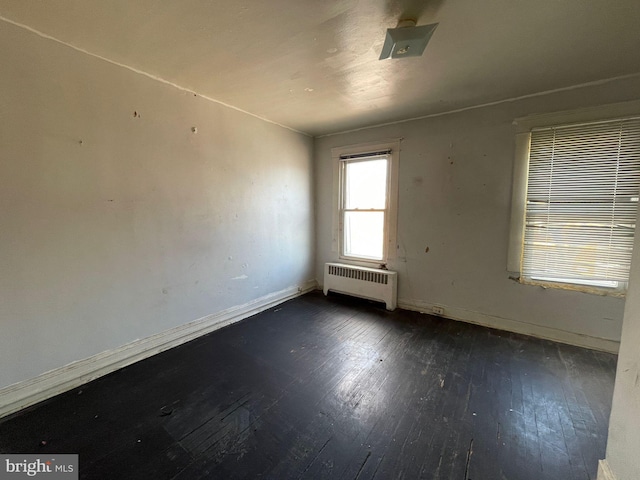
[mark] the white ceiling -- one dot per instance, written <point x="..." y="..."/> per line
<point x="312" y="65"/>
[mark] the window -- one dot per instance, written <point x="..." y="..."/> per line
<point x="364" y="206"/>
<point x="582" y="188"/>
<point x="366" y="201"/>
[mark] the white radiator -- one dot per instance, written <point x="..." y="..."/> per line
<point x="362" y="282"/>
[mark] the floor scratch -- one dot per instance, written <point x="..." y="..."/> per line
<point x="362" y="466"/>
<point x="316" y="457"/>
<point x="466" y="467"/>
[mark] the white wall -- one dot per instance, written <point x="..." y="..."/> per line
<point x="455" y="195"/>
<point x="623" y="442"/>
<point x="144" y="225"/>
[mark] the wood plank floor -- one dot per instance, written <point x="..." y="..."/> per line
<point x="336" y="388"/>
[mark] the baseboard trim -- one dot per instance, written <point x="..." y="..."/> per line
<point x="604" y="471"/>
<point x="514" y="326"/>
<point x="23" y="394"/>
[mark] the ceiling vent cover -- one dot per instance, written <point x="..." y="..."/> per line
<point x="406" y="40"/>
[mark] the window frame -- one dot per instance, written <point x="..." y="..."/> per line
<point x="524" y="127"/>
<point x="391" y="210"/>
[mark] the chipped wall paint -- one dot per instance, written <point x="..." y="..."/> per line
<point x="138" y="229"/>
<point x="455" y="201"/>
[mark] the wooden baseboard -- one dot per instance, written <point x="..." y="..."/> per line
<point x="515" y="326"/>
<point x="604" y="471"/>
<point x="29" y="392"/>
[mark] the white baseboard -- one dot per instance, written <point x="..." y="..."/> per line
<point x="515" y="326"/>
<point x="604" y="471"/>
<point x="29" y="392"/>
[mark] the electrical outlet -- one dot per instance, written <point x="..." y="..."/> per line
<point x="437" y="310"/>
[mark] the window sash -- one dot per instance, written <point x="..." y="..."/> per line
<point x="370" y="192"/>
<point x="358" y="245"/>
<point x="581" y="203"/>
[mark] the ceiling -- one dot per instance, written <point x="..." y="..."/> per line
<point x="312" y="65"/>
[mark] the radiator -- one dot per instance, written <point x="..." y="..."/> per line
<point x="362" y="282"/>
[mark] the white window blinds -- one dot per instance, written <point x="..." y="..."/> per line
<point x="582" y="198"/>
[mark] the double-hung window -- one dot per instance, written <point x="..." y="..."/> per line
<point x="366" y="201"/>
<point x="580" y="204"/>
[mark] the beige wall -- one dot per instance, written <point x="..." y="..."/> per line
<point x="455" y="196"/>
<point x="113" y="226"/>
<point x="623" y="443"/>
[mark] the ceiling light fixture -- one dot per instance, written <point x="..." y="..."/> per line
<point x="406" y="40"/>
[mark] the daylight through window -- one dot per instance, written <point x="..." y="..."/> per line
<point x="581" y="203"/>
<point x="364" y="205"/>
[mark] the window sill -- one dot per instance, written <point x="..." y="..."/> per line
<point x="363" y="262"/>
<point x="602" y="291"/>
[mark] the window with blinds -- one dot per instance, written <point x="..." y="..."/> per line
<point x="581" y="204"/>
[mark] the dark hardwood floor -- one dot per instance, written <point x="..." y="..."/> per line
<point x="336" y="388"/>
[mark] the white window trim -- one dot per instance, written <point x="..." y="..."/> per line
<point x="524" y="126"/>
<point x="391" y="220"/>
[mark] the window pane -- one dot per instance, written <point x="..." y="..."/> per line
<point x="366" y="184"/>
<point x="363" y="234"/>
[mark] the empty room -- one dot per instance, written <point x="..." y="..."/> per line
<point x="375" y="239"/>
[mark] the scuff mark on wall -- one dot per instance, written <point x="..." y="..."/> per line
<point x="240" y="277"/>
